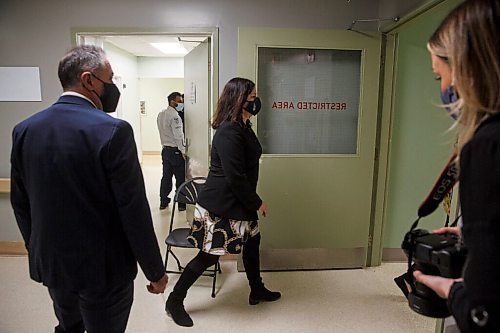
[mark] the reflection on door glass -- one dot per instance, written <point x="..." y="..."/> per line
<point x="310" y="100"/>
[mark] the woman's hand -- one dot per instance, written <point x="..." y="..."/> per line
<point x="263" y="209"/>
<point x="448" y="230"/>
<point x="439" y="284"/>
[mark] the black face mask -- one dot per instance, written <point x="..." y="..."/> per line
<point x="254" y="106"/>
<point x="110" y="97"/>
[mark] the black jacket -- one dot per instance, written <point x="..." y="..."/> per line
<point x="79" y="200"/>
<point x="230" y="189"/>
<point x="480" y="204"/>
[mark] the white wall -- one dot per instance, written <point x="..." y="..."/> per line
<point x="158" y="78"/>
<point x="161" y="67"/>
<point x="154" y="92"/>
<point x="125" y="66"/>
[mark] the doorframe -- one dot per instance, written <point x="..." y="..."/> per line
<point x="389" y="48"/>
<point x="211" y="32"/>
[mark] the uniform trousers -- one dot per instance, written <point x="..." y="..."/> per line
<point x="173" y="165"/>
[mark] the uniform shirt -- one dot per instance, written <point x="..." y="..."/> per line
<point x="170" y="128"/>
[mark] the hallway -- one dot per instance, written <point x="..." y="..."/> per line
<point x="343" y="301"/>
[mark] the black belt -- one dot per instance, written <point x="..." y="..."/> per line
<point x="170" y="148"/>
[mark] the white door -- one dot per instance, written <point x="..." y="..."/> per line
<point x="197" y="109"/>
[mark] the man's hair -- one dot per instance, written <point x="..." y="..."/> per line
<point x="78" y="60"/>
<point x="173" y="96"/>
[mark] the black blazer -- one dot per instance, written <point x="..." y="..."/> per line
<point x="480" y="205"/>
<point x="78" y="196"/>
<point x="230" y="189"/>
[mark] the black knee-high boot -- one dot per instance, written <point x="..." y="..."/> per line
<point x="174" y="305"/>
<point x="251" y="261"/>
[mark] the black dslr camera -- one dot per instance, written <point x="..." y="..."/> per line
<point x="432" y="254"/>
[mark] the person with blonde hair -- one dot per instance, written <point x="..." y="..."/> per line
<point x="470" y="37"/>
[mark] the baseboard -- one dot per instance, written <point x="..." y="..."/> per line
<point x="10" y="248"/>
<point x="17" y="248"/>
<point x="310" y="259"/>
<point x="4" y="185"/>
<point x="230" y="257"/>
<point x="393" y="255"/>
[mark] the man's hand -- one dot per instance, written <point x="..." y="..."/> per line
<point x="159" y="286"/>
<point x="263" y="209"/>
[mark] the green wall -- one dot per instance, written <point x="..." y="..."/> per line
<point x="420" y="142"/>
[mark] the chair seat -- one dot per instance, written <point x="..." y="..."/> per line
<point x="178" y="238"/>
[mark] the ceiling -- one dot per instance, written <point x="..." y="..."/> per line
<point x="139" y="45"/>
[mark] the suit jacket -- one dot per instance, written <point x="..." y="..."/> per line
<point x="480" y="202"/>
<point x="79" y="199"/>
<point x="230" y="189"/>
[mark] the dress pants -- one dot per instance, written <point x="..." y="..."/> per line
<point x="173" y="165"/>
<point x="95" y="312"/>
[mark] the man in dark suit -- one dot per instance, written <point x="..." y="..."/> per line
<point x="79" y="200"/>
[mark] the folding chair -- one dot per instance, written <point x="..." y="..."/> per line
<point x="187" y="194"/>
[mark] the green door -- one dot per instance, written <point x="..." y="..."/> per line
<point x="318" y="126"/>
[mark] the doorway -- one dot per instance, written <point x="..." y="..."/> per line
<point x="152" y="65"/>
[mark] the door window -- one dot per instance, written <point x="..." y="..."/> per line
<point x="310" y="100"/>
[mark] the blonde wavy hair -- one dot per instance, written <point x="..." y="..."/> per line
<point x="469" y="40"/>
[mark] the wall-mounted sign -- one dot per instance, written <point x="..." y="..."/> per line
<point x="192" y="93"/>
<point x="20" y="84"/>
<point x="143" y="107"/>
<point x="303" y="105"/>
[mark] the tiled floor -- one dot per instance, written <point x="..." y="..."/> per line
<point x="344" y="301"/>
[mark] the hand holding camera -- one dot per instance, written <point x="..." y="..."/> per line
<point x="435" y="262"/>
<point x="440" y="285"/>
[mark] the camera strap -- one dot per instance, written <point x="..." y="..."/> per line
<point x="443" y="185"/>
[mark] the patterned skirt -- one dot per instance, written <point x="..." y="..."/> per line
<point x="220" y="235"/>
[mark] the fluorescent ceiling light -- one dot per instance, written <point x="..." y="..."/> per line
<point x="170" y="48"/>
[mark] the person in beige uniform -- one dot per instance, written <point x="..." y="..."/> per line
<point x="173" y="152"/>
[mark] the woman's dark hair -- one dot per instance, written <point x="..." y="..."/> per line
<point x="231" y="101"/>
<point x="78" y="60"/>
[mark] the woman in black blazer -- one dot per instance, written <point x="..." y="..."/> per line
<point x="226" y="219"/>
<point x="470" y="35"/>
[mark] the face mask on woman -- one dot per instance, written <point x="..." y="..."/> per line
<point x="254" y="106"/>
<point x="450" y="96"/>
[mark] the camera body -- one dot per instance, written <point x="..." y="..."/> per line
<point x="433" y="254"/>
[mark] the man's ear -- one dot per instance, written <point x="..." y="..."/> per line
<point x="86" y="80"/>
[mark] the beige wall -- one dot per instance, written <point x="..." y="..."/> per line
<point x="154" y="92"/>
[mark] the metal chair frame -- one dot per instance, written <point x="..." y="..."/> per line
<point x="187" y="193"/>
